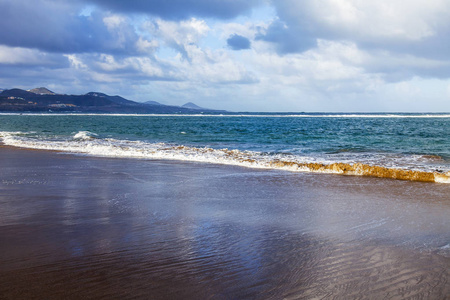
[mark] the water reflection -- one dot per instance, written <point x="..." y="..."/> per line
<point x="105" y="228"/>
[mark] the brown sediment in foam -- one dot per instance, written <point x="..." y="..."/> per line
<point x="384" y="172"/>
<point x="358" y="169"/>
<point x="364" y="170"/>
<point x="432" y="157"/>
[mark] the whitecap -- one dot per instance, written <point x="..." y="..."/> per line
<point x="85" y="135"/>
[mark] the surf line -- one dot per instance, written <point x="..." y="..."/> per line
<point x="96" y="147"/>
<point x="360" y="169"/>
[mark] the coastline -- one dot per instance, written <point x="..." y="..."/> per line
<point x="79" y="226"/>
<point x="344" y="145"/>
<point x="238" y="158"/>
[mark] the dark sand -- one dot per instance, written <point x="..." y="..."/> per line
<point x="74" y="227"/>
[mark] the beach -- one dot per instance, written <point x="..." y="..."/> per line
<point x="74" y="226"/>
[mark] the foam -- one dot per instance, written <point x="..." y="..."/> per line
<point x="85" y="135"/>
<point x="85" y="142"/>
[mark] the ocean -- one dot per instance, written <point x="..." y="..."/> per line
<point x="225" y="206"/>
<point x="400" y="146"/>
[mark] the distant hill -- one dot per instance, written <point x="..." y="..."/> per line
<point x="192" y="106"/>
<point x="42" y="99"/>
<point x="115" y="99"/>
<point x="41" y="91"/>
<point x="152" y="103"/>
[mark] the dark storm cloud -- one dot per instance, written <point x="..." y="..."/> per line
<point x="238" y="42"/>
<point x="57" y="27"/>
<point x="182" y="9"/>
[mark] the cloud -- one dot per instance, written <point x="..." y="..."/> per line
<point x="182" y="9"/>
<point x="287" y="38"/>
<point x="31" y="58"/>
<point x="204" y="67"/>
<point x="390" y="25"/>
<point x="398" y="66"/>
<point x="106" y="68"/>
<point x="178" y="35"/>
<point x="309" y="55"/>
<point x="331" y="67"/>
<point x="27" y="68"/>
<point x="56" y="26"/>
<point x="238" y="42"/>
<point x="399" y="40"/>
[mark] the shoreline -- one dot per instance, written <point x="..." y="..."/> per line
<point x="233" y="158"/>
<point x="80" y="226"/>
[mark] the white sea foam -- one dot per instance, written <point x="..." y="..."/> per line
<point x="88" y="143"/>
<point x="446" y="247"/>
<point x="85" y="135"/>
<point x="442" y="178"/>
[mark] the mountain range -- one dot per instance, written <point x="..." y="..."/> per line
<point x="42" y="99"/>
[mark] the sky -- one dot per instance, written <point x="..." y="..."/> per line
<point x="236" y="55"/>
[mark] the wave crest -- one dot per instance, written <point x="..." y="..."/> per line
<point x="360" y="169"/>
<point x="88" y="143"/>
<point x="85" y="135"/>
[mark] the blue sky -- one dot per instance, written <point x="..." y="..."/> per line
<point x="238" y="55"/>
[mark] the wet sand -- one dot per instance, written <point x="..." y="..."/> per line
<point x="76" y="227"/>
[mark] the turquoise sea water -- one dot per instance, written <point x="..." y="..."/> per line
<point x="286" y="141"/>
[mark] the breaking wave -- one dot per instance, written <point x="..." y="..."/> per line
<point x="89" y="143"/>
<point x="85" y="135"/>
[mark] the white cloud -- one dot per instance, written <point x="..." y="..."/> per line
<point x="379" y="19"/>
<point x="114" y="21"/>
<point x="314" y="55"/>
<point x="184" y="32"/>
<point x="178" y="35"/>
<point x="30" y="57"/>
<point x="208" y="66"/>
<point x="384" y="19"/>
<point x="247" y="29"/>
<point x="76" y="62"/>
<point x="146" y="47"/>
<point x="331" y="61"/>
